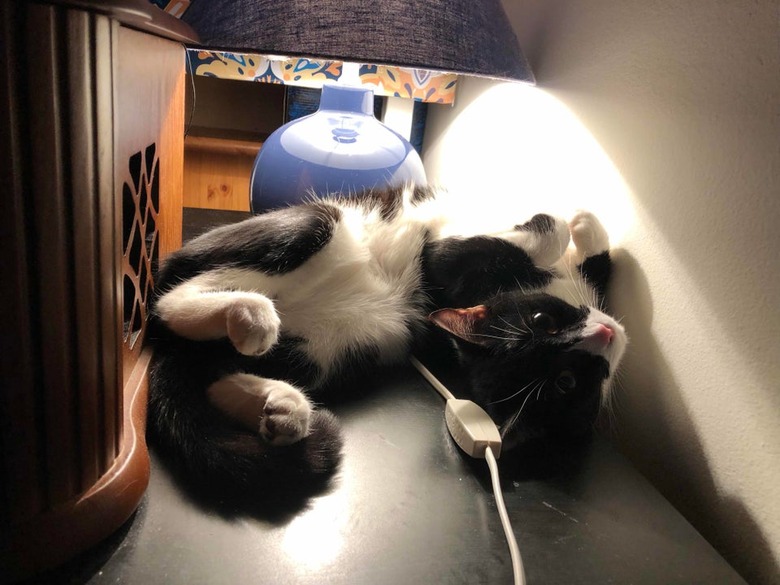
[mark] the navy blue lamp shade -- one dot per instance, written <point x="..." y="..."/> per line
<point x="469" y="37"/>
<point x="321" y="153"/>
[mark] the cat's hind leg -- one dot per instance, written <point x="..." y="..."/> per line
<point x="276" y="410"/>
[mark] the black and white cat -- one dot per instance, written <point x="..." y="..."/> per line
<point x="255" y="320"/>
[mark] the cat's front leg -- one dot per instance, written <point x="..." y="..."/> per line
<point x="248" y="319"/>
<point x="544" y="238"/>
<point x="592" y="250"/>
<point x="276" y="410"/>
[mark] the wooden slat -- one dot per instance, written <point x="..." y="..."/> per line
<point x="109" y="235"/>
<point x="53" y="249"/>
<point x="19" y="437"/>
<point x="84" y="190"/>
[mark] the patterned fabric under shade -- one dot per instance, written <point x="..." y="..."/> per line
<point x="419" y="85"/>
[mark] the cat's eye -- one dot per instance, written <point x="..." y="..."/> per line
<point x="566" y="382"/>
<point x="545" y="322"/>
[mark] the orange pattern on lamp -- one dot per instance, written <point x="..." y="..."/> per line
<point x="417" y="84"/>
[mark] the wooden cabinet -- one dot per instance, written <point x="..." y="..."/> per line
<point x="91" y="156"/>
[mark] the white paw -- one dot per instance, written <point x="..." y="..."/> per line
<point x="286" y="415"/>
<point x="252" y="324"/>
<point x="588" y="234"/>
<point x="544" y="238"/>
<point x="551" y="243"/>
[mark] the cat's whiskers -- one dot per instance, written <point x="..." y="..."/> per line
<point x="529" y="330"/>
<point x="539" y="391"/>
<point x="514" y="336"/>
<point x="500" y="338"/>
<point x="516" y="416"/>
<point x="536" y="389"/>
<point x="511" y="332"/>
<point x="521" y="330"/>
<point x="510" y="423"/>
<point x="610" y="402"/>
<point x="580" y="290"/>
<point x="523" y="389"/>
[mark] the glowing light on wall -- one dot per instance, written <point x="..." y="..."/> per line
<point x="515" y="150"/>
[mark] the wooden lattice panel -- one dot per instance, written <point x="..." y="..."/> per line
<point x="140" y="242"/>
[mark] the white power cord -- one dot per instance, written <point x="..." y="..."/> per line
<point x="514" y="550"/>
<point x="476" y="433"/>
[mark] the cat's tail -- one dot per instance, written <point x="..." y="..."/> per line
<point x="220" y="461"/>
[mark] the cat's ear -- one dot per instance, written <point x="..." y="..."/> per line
<point x="462" y="323"/>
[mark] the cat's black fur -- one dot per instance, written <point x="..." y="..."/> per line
<point x="514" y="338"/>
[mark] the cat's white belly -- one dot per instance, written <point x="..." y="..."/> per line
<point x="377" y="315"/>
<point x="355" y="293"/>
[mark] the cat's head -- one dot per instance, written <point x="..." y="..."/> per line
<point x="540" y="366"/>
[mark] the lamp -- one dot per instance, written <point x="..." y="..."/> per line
<point x="342" y="147"/>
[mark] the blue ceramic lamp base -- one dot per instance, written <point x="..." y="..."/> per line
<point x="341" y="148"/>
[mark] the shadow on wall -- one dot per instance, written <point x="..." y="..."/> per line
<point x="647" y="368"/>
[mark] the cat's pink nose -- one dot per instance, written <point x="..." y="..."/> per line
<point x="604" y="334"/>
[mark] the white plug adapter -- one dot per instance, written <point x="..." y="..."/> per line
<point x="472" y="428"/>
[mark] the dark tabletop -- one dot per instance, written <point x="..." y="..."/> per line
<point x="408" y="507"/>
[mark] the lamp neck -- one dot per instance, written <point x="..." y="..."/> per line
<point x="359" y="100"/>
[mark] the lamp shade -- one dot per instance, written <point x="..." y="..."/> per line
<point x="471" y="37"/>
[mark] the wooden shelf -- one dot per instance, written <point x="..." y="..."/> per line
<point x="217" y="172"/>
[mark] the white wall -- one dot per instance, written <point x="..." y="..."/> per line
<point x="664" y="118"/>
